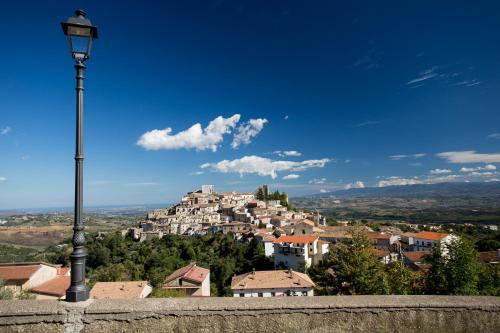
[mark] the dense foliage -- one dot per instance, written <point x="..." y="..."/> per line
<point x="112" y="258"/>
<point x="7" y="293"/>
<point x="456" y="270"/>
<point x="277" y="195"/>
<point x="352" y="268"/>
<point x="10" y="253"/>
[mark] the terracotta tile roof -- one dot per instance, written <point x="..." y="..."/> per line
<point x="190" y="272"/>
<point x="488" y="257"/>
<point x="339" y="234"/>
<point x="269" y="238"/>
<point x="118" y="290"/>
<point x="296" y="239"/>
<point x="55" y="287"/>
<point x="380" y="253"/>
<point x="336" y="228"/>
<point x="431" y="235"/>
<point x="307" y="221"/>
<point x="21" y="271"/>
<point x="416" y="256"/>
<point x="317" y="230"/>
<point x="14" y="273"/>
<point x="271" y="279"/>
<point x="197" y="274"/>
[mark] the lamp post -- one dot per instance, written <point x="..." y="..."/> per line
<point x="80" y="33"/>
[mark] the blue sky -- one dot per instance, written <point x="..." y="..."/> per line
<point x="320" y="96"/>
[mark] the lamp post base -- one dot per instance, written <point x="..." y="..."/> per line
<point x="77" y="295"/>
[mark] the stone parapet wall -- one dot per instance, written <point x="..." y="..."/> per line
<point x="293" y="314"/>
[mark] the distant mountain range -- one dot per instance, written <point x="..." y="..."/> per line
<point x="432" y="203"/>
<point x="418" y="191"/>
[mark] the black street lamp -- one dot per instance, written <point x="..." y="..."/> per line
<point x="80" y="34"/>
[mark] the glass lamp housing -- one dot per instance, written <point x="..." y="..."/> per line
<point x="80" y="33"/>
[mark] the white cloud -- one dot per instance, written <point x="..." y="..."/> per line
<point x="283" y="153"/>
<point x="322" y="190"/>
<point x="424" y="75"/>
<point x="193" y="138"/>
<point x="439" y="73"/>
<point x="357" y="184"/>
<point x="494" y="136"/>
<point x="5" y="130"/>
<point x="401" y="156"/>
<point x="481" y="174"/>
<point x="488" y="167"/>
<point x="438" y="178"/>
<point x="393" y="181"/>
<point x="262" y="166"/>
<point x="2" y="179"/>
<point x="469" y="156"/>
<point x="291" y="176"/>
<point x="317" y="181"/>
<point x="468" y="83"/>
<point x="247" y="131"/>
<point x="440" y="171"/>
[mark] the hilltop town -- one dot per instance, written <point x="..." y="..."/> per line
<point x="205" y="211"/>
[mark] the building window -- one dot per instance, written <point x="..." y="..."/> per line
<point x="273" y="293"/>
<point x="260" y="295"/>
<point x="242" y="295"/>
<point x="304" y="293"/>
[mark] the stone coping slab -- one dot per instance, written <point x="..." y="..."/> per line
<point x="221" y="304"/>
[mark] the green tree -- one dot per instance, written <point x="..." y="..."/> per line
<point x="456" y="271"/>
<point x="463" y="267"/>
<point x="400" y="278"/>
<point x="259" y="195"/>
<point x="436" y="279"/>
<point x="356" y="268"/>
<point x="489" y="280"/>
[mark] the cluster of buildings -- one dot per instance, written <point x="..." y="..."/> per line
<point x="300" y="244"/>
<point x="205" y="211"/>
